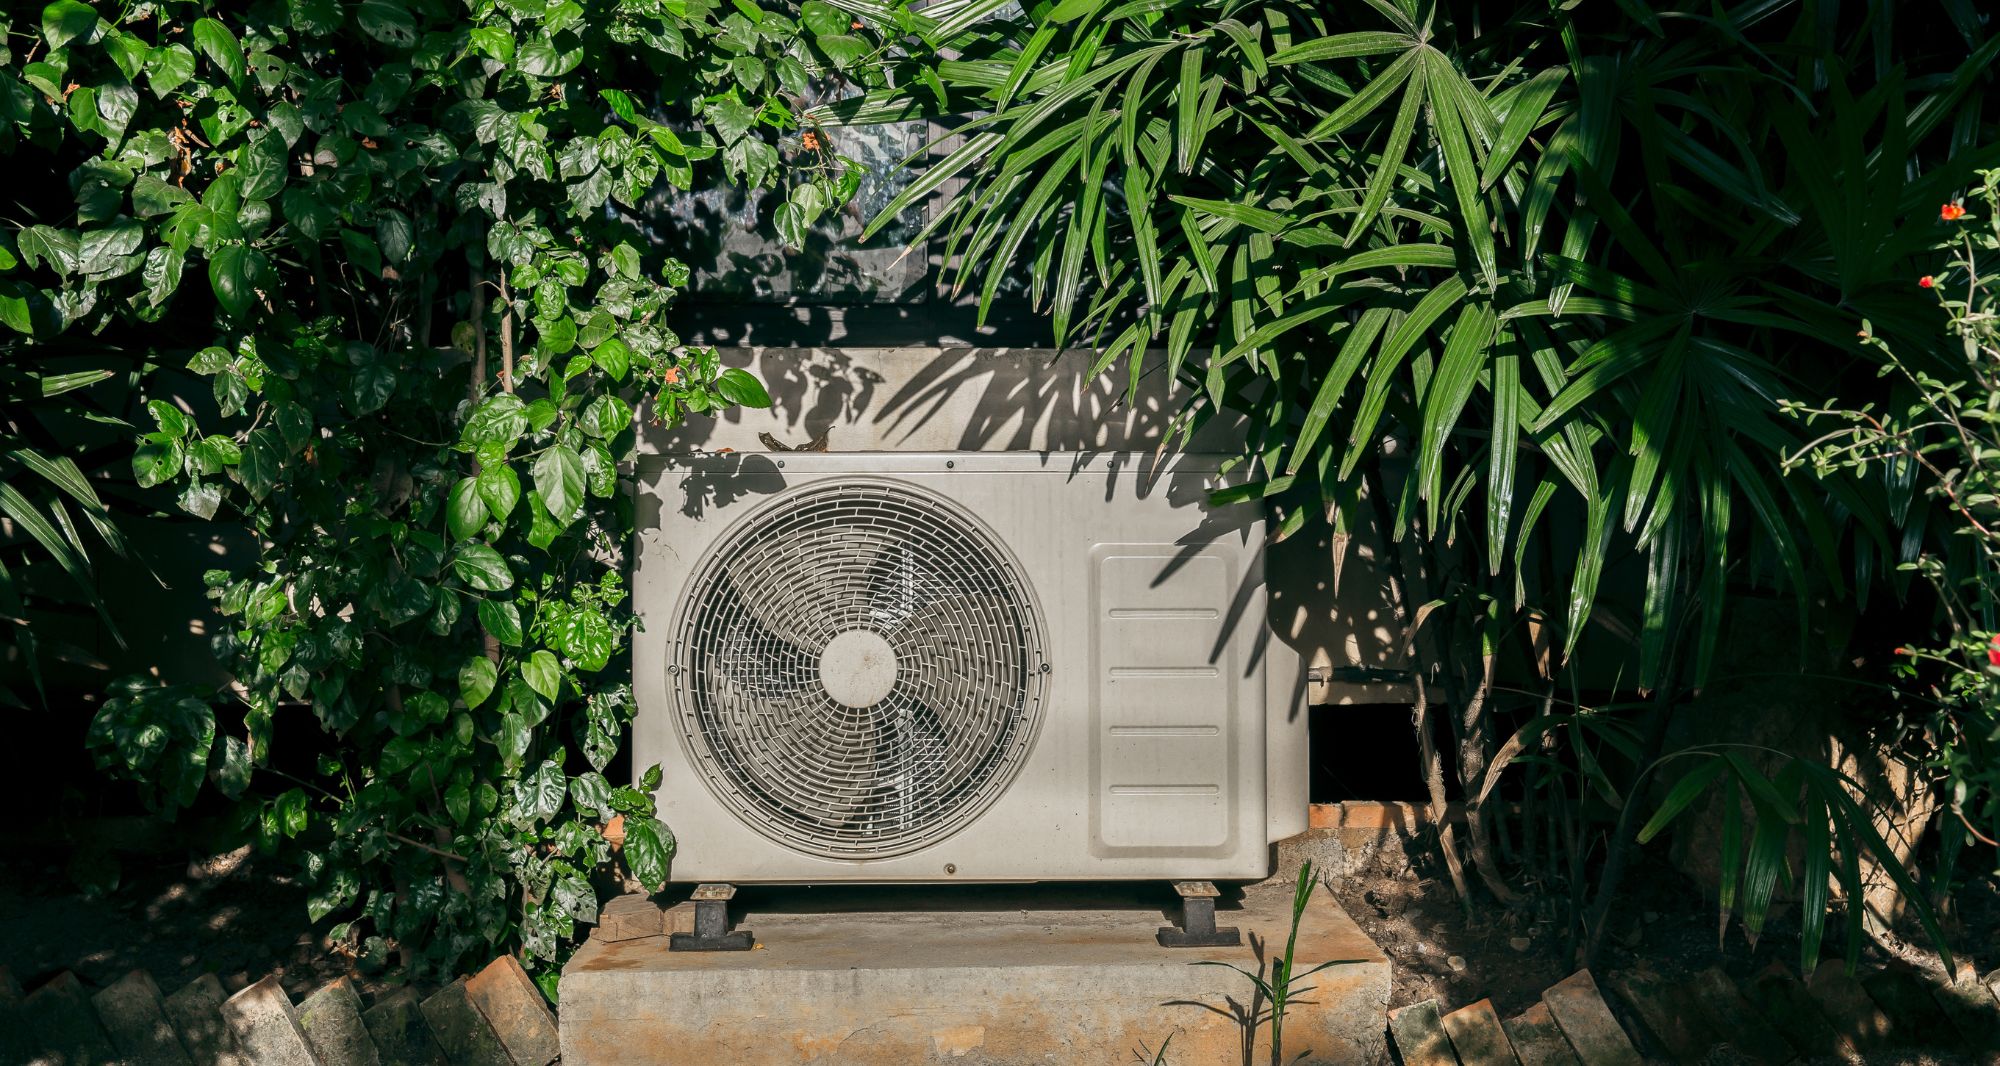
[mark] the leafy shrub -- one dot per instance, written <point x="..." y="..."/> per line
<point x="400" y="241"/>
<point x="1938" y="435"/>
<point x="1519" y="286"/>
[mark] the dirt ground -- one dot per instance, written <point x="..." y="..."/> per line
<point x="179" y="916"/>
<point x="1665" y="923"/>
<point x="174" y="916"/>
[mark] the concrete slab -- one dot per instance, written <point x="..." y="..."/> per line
<point x="402" y="1037"/>
<point x="196" y="1011"/>
<point x="131" y="1011"/>
<point x="1420" y="1036"/>
<point x="1477" y="1036"/>
<point x="1742" y="1027"/>
<point x="463" y="1033"/>
<point x="1592" y="1030"/>
<point x="16" y="1042"/>
<point x="1038" y="974"/>
<point x="1795" y="1013"/>
<point x="1915" y="1019"/>
<point x="1973" y="1012"/>
<point x="1538" y="1041"/>
<point x="64" y="1026"/>
<point x="1668" y="1013"/>
<point x="331" y="1019"/>
<point x="266" y="1030"/>
<point x="520" y="1016"/>
<point x="1854" y="1014"/>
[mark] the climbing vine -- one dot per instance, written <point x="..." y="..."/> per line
<point x="400" y="243"/>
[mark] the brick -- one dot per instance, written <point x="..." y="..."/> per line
<point x="64" y="1027"/>
<point x="331" y="1020"/>
<point x="1587" y="1022"/>
<point x="15" y="1044"/>
<point x="1741" y="1027"/>
<point x="680" y="917"/>
<point x="1419" y="1035"/>
<point x="1795" y="1013"/>
<point x="629" y="917"/>
<point x="402" y="1038"/>
<point x="1847" y="1005"/>
<point x="1914" y="1016"/>
<point x="1538" y="1041"/>
<point x="266" y="1029"/>
<point x="463" y="1033"/>
<point x="135" y="1018"/>
<point x="516" y="1009"/>
<point x="1477" y="1036"/>
<point x="1668" y="1013"/>
<point x="1973" y="1012"/>
<point x="196" y="1012"/>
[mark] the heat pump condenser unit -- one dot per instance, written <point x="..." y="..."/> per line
<point x="898" y="667"/>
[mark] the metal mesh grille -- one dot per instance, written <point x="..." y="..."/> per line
<point x="751" y="662"/>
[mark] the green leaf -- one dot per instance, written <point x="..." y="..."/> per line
<point x="157" y="463"/>
<point x="234" y="271"/>
<point x="169" y="67"/>
<point x="466" y="513"/>
<point x="613" y="357"/>
<point x="558" y="477"/>
<point x="65" y="21"/>
<point x="500" y="488"/>
<point x="649" y="851"/>
<point x="540" y="58"/>
<point x="607" y="416"/>
<point x="371" y="387"/>
<point x="1256" y="218"/>
<point x="739" y="387"/>
<point x="1343" y="46"/>
<point x="214" y="40"/>
<point x="1685" y="791"/>
<point x="483" y="568"/>
<point x="500" y="420"/>
<point x="1762" y="791"/>
<point x="502" y="620"/>
<point x="262" y="166"/>
<point x="388" y="21"/>
<point x="543" y="673"/>
<point x="476" y="680"/>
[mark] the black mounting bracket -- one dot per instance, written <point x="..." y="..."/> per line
<point x="711" y="924"/>
<point x="1197" y="928"/>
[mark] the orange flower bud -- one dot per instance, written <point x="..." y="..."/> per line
<point x="1952" y="212"/>
<point x="1926" y="281"/>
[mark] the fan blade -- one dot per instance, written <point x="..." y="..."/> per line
<point x="960" y="633"/>
<point x="770" y="592"/>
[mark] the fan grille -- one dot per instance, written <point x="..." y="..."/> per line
<point x="860" y="669"/>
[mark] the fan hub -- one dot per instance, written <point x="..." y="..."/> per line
<point x="858" y="668"/>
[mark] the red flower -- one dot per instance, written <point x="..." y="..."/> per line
<point x="1926" y="281"/>
<point x="1952" y="212"/>
<point x="1993" y="650"/>
<point x="671" y="376"/>
<point x="811" y="141"/>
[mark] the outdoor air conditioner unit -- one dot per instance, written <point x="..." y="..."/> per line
<point x="896" y="667"/>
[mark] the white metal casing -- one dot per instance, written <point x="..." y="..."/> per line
<point x="1171" y="734"/>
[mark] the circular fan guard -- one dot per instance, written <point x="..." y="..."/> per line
<point x="787" y="626"/>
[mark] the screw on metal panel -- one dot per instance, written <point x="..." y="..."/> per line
<point x="674" y="669"/>
<point x="1045" y="668"/>
<point x="948" y="464"/>
<point x="951" y="867"/>
<point x="781" y="464"/>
